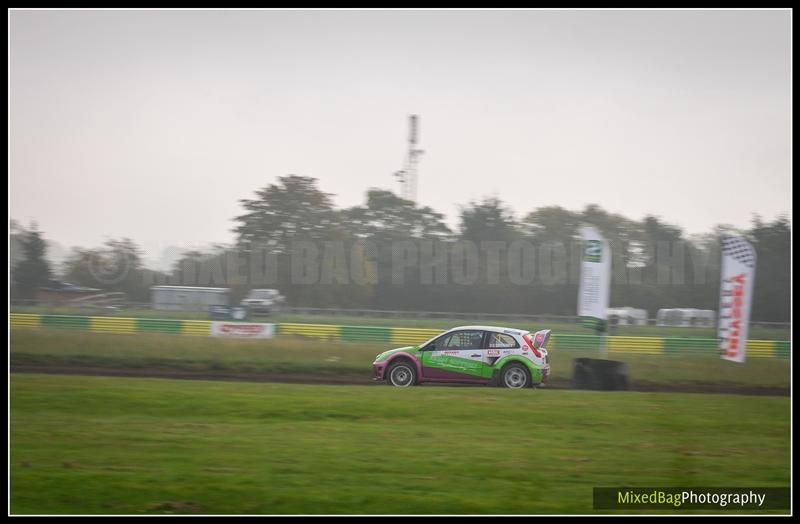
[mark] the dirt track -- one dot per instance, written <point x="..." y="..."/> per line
<point x="360" y="381"/>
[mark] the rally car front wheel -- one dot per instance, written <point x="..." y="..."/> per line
<point x="402" y="374"/>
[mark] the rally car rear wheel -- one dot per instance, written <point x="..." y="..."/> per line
<point x="515" y="376"/>
<point x="402" y="374"/>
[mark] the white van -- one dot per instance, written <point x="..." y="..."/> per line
<point x="264" y="301"/>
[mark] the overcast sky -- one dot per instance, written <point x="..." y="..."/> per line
<point x="153" y="125"/>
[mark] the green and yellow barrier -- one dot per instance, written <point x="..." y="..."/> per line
<point x="641" y="345"/>
<point x="112" y="325"/>
<point x="158" y="325"/>
<point x="196" y="327"/>
<point x="398" y="336"/>
<point x="323" y="331"/>
<point x="412" y="336"/>
<point x="23" y="320"/>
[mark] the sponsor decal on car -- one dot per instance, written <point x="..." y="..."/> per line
<point x="493" y="352"/>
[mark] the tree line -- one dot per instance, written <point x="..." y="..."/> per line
<point x="410" y="259"/>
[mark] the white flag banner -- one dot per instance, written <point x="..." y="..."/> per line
<point x="595" y="285"/>
<point x="738" y="270"/>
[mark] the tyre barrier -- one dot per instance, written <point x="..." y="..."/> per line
<point x="599" y="374"/>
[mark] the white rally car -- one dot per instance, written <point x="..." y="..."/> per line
<point x="507" y="357"/>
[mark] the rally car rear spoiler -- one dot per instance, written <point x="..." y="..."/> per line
<point x="540" y="338"/>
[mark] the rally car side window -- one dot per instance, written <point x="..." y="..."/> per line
<point x="501" y="341"/>
<point x="461" y="340"/>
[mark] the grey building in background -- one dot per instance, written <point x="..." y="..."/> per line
<point x="187" y="298"/>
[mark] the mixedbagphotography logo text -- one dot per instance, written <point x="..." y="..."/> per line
<point x="711" y="498"/>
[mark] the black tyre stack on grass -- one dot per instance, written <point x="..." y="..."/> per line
<point x="606" y="375"/>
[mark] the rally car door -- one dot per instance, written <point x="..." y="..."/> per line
<point x="497" y="345"/>
<point x="455" y="355"/>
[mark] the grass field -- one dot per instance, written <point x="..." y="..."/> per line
<point x="756" y="331"/>
<point x="139" y="446"/>
<point x="60" y="347"/>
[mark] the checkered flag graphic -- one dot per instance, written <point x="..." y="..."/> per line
<point x="740" y="249"/>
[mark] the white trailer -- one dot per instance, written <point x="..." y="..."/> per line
<point x="627" y="316"/>
<point x="686" y="317"/>
<point x="188" y="298"/>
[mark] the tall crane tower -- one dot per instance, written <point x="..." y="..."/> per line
<point x="408" y="175"/>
